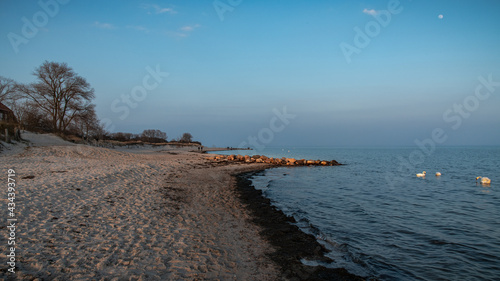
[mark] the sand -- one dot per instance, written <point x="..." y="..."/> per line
<point x="103" y="214"/>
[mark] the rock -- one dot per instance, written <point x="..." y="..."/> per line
<point x="269" y="160"/>
<point x="249" y="160"/>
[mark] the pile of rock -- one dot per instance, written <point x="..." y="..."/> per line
<point x="273" y="161"/>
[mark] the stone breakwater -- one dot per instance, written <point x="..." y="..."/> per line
<point x="273" y="161"/>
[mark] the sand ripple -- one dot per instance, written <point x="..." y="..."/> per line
<point x="94" y="213"/>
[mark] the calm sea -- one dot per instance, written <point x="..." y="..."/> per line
<point x="379" y="220"/>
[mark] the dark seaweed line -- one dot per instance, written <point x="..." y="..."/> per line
<point x="290" y="242"/>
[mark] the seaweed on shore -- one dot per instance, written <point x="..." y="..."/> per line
<point x="291" y="244"/>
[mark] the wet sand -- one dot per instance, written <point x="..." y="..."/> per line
<point x="290" y="244"/>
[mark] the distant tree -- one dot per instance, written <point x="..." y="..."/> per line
<point x="60" y="93"/>
<point x="100" y="131"/>
<point x="120" y="136"/>
<point x="32" y="118"/>
<point x="21" y="109"/>
<point x="153" y="136"/>
<point x="8" y="88"/>
<point x="186" y="137"/>
<point x="87" y="123"/>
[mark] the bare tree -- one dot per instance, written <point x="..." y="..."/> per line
<point x="121" y="136"/>
<point x="154" y="136"/>
<point x="186" y="137"/>
<point x="31" y="117"/>
<point x="21" y="109"/>
<point x="60" y="93"/>
<point x="87" y="123"/>
<point x="8" y="88"/>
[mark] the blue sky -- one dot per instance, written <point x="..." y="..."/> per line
<point x="233" y="64"/>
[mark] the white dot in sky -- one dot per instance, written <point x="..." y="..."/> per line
<point x="440" y="17"/>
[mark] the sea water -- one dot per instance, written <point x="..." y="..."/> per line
<point x="382" y="222"/>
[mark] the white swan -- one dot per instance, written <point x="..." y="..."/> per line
<point x="421" y="175"/>
<point x="484" y="180"/>
<point x="438" y="174"/>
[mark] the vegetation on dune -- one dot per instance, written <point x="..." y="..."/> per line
<point x="60" y="101"/>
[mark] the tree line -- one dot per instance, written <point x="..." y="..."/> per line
<point x="153" y="136"/>
<point x="60" y="101"/>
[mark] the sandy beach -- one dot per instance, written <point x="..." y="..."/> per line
<point x="94" y="213"/>
<point x="91" y="213"/>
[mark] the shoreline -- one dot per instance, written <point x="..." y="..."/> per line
<point x="290" y="242"/>
<point x="140" y="214"/>
<point x="217" y="149"/>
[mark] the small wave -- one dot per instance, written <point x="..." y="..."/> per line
<point x="439" y="242"/>
<point x="415" y="230"/>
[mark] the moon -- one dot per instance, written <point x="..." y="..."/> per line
<point x="440" y="17"/>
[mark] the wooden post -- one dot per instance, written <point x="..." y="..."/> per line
<point x="18" y="134"/>
<point x="6" y="135"/>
